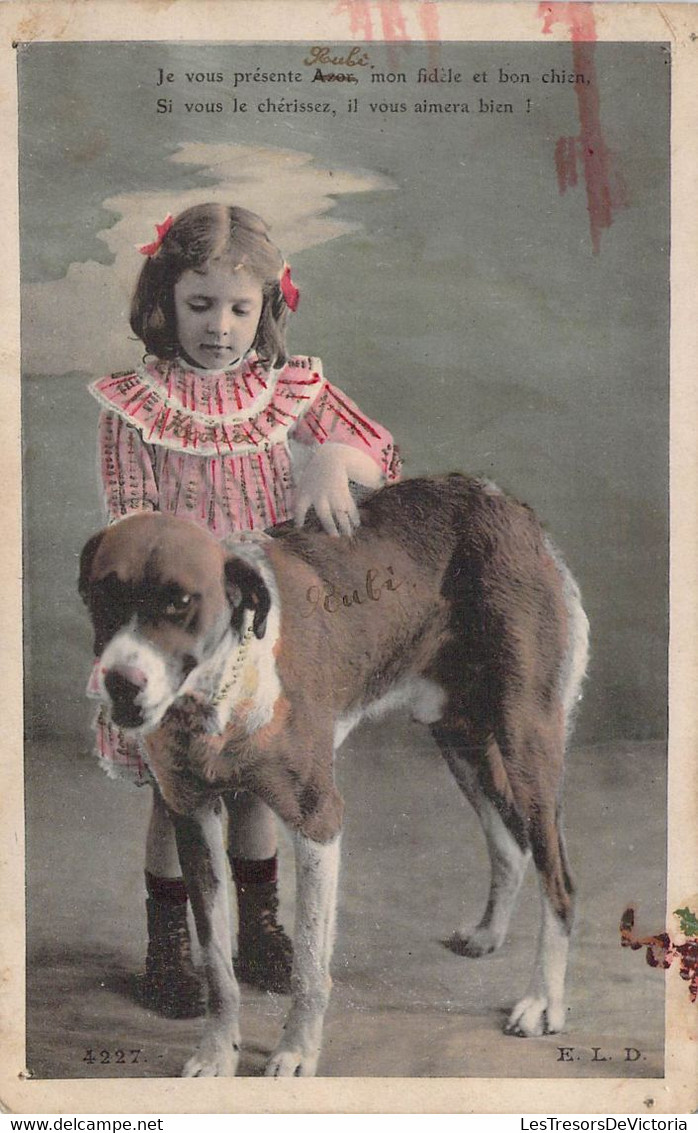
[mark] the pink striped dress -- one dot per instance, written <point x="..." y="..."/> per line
<point x="213" y="447"/>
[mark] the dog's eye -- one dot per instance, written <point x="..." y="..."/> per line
<point x="178" y="605"/>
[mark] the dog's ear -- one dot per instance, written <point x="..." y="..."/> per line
<point x="246" y="589"/>
<point x="86" y="559"/>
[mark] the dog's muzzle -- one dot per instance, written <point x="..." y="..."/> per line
<point x="124" y="684"/>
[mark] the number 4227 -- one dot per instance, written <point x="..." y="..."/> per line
<point x="113" y="1057"/>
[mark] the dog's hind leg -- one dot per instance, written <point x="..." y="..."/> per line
<point x="542" y="1009"/>
<point x="204" y="865"/>
<point x="477" y="768"/>
<point x="533" y="755"/>
<point x="533" y="743"/>
<point x="317" y="867"/>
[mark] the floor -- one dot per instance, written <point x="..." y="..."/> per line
<point x="414" y="868"/>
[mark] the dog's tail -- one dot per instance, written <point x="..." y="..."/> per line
<point x="577" y="654"/>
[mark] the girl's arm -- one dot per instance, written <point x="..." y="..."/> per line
<point x="126" y="468"/>
<point x="348" y="446"/>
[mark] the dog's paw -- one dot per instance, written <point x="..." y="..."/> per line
<point x="189" y="715"/>
<point x="291" y="1064"/>
<point x="533" y="1016"/>
<point x="213" y="1060"/>
<point x="480" y="942"/>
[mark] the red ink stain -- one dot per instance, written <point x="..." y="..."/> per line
<point x="359" y="12"/>
<point x="428" y="16"/>
<point x="393" y="26"/>
<point x="605" y="189"/>
<point x="393" y="21"/>
<point x="662" y="951"/>
<point x="579" y="17"/>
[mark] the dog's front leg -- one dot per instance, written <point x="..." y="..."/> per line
<point x="317" y="867"/>
<point x="203" y="860"/>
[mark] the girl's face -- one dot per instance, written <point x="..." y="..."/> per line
<point x="217" y="312"/>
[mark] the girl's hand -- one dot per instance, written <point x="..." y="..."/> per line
<point x="324" y="486"/>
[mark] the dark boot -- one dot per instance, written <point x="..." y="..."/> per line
<point x="265" y="953"/>
<point x="171" y="985"/>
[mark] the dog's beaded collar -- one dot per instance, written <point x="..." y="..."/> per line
<point x="217" y="682"/>
<point x="233" y="669"/>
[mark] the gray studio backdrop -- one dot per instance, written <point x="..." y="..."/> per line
<point x="447" y="283"/>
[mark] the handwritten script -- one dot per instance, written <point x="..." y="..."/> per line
<point x="354" y="58"/>
<point x="332" y="598"/>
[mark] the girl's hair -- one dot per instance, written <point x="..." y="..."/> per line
<point x="198" y="236"/>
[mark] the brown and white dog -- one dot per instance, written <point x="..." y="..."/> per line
<point x="245" y="665"/>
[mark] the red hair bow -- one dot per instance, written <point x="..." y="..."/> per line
<point x="162" y="230"/>
<point x="289" y="290"/>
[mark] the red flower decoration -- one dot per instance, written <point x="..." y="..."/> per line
<point x="289" y="290"/>
<point x="162" y="230"/>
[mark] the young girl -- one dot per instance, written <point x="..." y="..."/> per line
<point x="203" y="429"/>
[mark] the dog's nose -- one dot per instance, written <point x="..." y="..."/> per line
<point x="123" y="683"/>
<point x="128" y="676"/>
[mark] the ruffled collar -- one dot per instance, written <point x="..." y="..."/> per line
<point x="244" y="408"/>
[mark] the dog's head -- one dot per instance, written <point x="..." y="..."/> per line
<point x="165" y="598"/>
